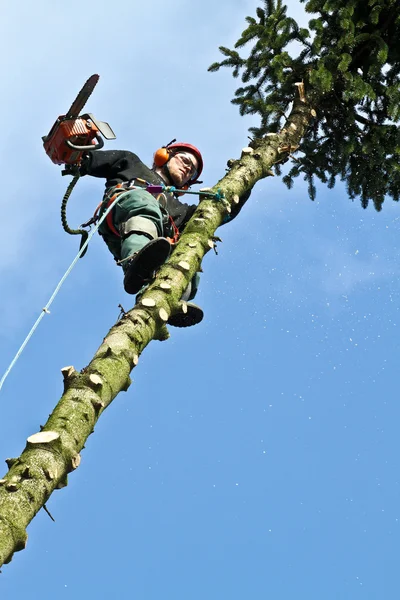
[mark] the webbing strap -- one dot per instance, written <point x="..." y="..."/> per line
<point x="175" y="238"/>
<point x="124" y="188"/>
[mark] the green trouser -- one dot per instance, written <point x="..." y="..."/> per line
<point x="133" y="203"/>
<point x="137" y="203"/>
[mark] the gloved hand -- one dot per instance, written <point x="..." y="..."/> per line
<point x="77" y="169"/>
<point x="73" y="170"/>
<point x="84" y="164"/>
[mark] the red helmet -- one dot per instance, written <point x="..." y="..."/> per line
<point x="189" y="148"/>
<point x="162" y="156"/>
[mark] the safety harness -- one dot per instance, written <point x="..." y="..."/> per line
<point x="121" y="188"/>
<point x="112" y="194"/>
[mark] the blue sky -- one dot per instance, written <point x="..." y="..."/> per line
<point x="254" y="456"/>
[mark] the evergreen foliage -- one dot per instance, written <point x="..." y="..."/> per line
<point x="349" y="61"/>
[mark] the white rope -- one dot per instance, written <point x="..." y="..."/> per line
<point x="45" y="310"/>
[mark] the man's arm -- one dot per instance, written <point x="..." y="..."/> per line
<point x="108" y="164"/>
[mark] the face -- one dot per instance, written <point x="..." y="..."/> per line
<point x="182" y="167"/>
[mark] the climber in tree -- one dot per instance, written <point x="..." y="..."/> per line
<point x="141" y="228"/>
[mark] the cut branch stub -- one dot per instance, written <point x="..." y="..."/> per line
<point x="11" y="461"/>
<point x="148" y="302"/>
<point x="43" y="437"/>
<point x="75" y="461"/>
<point x="67" y="371"/>
<point x="50" y="475"/>
<point x="68" y="374"/>
<point x="163" y="315"/>
<point x="97" y="404"/>
<point x="95" y="379"/>
<point x="183" y="266"/>
<point x="26" y="473"/>
<point x="11" y="486"/>
<point x="247" y="151"/>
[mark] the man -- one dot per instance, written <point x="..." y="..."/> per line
<point x="140" y="228"/>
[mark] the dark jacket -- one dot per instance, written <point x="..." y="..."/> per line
<point x="118" y="166"/>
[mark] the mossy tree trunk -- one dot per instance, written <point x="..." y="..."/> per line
<point x="51" y="454"/>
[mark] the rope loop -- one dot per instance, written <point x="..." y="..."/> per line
<point x="66" y="227"/>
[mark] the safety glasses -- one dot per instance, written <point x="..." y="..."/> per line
<point x="187" y="160"/>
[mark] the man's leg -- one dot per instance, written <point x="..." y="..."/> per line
<point x="194" y="313"/>
<point x="191" y="289"/>
<point x="139" y="220"/>
<point x="138" y="217"/>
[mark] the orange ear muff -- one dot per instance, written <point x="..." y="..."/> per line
<point x="161" y="157"/>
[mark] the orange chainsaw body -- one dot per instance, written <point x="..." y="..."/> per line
<point x="73" y="134"/>
<point x="79" y="131"/>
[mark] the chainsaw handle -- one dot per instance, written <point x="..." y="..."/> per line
<point x="98" y="146"/>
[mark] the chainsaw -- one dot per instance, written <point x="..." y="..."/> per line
<point x="73" y="134"/>
<point x="70" y="137"/>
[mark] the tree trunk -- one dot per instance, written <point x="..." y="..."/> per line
<point x="51" y="454"/>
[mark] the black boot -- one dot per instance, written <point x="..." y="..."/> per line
<point x="193" y="316"/>
<point x="140" y="269"/>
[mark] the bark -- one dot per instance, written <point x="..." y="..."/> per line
<point x="50" y="455"/>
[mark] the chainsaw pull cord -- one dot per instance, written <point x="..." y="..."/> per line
<point x="64" y="221"/>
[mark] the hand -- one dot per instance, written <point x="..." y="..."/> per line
<point x="73" y="170"/>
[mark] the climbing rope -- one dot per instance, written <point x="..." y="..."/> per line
<point x="45" y="310"/>
<point x="218" y="195"/>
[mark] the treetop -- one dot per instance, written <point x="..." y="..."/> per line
<point x="349" y="61"/>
